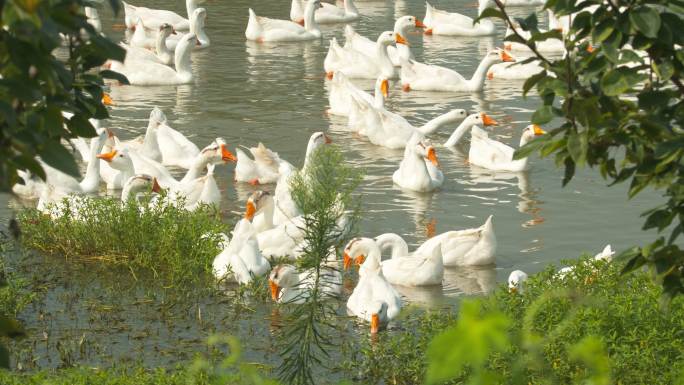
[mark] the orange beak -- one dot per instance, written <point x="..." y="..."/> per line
<point x="107" y="100"/>
<point x="487" y="120"/>
<point x="329" y="75"/>
<point x="327" y="139"/>
<point x="359" y="260"/>
<point x="432" y="156"/>
<point x="506" y="57"/>
<point x="490" y="75"/>
<point x="419" y="24"/>
<point x="347" y="261"/>
<point x="590" y="48"/>
<point x="428" y="31"/>
<point x="400" y="40"/>
<point x="275" y="290"/>
<point x="250" y="210"/>
<point x="384" y="87"/>
<point x="107" y="156"/>
<point x="300" y="22"/>
<point x="375" y="323"/>
<point x="538" y="130"/>
<point x="155" y="186"/>
<point x="227" y="155"/>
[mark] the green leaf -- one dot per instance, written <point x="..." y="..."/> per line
<point x="109" y="74"/>
<point x="55" y="155"/>
<point x="602" y="31"/>
<point x="80" y="126"/>
<point x="664" y="69"/>
<point x="619" y="80"/>
<point x="532" y="80"/>
<point x="645" y="20"/>
<point x="569" y="171"/>
<point x="490" y="13"/>
<point x="577" y="147"/>
<point x="543" y="115"/>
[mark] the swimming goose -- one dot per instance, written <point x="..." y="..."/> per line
<point x="290" y="286"/>
<point x="147" y="73"/>
<point x="414" y="270"/>
<point x="161" y="54"/>
<point x="355" y="64"/>
<point x="440" y="22"/>
<point x="425" y="77"/>
<point x="263" y="169"/>
<point x="479" y="118"/>
<point x="241" y="260"/>
<point x="515" y="70"/>
<point x="341" y="89"/>
<point x="470" y="247"/>
<point x="362" y="114"/>
<point x="494" y="155"/>
<point x="263" y="29"/>
<point x="328" y="13"/>
<point x="154" y="18"/>
<point x="374" y="299"/>
<point x="176" y="149"/>
<point x="402" y="26"/>
<point x="413" y="173"/>
<point x="197" y="24"/>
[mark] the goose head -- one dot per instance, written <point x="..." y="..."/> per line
<point x="498" y="55"/>
<point x="317" y="140"/>
<point x="256" y="202"/>
<point x="480" y="119"/>
<point x="456" y="115"/>
<point x="357" y="250"/>
<point x="530" y="132"/>
<point x="427" y="151"/>
<point x="407" y="23"/>
<point x="166" y="30"/>
<point x="516" y="281"/>
<point x="157" y="115"/>
<point x="389" y="37"/>
<point x="140" y="183"/>
<point x="282" y="276"/>
<point x="217" y="152"/>
<point x="118" y="160"/>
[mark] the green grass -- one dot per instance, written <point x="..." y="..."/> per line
<point x="164" y="242"/>
<point x="550" y="326"/>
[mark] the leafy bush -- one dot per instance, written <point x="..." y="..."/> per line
<point x="163" y="240"/>
<point x="591" y="325"/>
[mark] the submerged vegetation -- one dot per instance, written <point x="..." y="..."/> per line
<point x="175" y="245"/>
<point x="590" y="325"/>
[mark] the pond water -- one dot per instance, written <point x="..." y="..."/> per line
<point x="277" y="94"/>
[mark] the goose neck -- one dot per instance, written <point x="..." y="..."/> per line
<point x="434" y="124"/>
<point x="458" y="133"/>
<point x="190" y="6"/>
<point x="182" y="60"/>
<point x="310" y="19"/>
<point x="383" y="58"/>
<point x="396" y="244"/>
<point x="160" y="45"/>
<point x="477" y="81"/>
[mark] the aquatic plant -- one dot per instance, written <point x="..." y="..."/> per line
<point x="171" y="244"/>
<point x="13" y="297"/>
<point x="323" y="192"/>
<point x="615" y="98"/>
<point x="591" y="326"/>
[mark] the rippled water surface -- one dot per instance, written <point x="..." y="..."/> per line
<point x="277" y="94"/>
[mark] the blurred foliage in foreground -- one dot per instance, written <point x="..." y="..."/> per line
<point x="591" y="326"/>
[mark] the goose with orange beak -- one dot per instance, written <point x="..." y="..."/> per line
<point x="439" y="22"/>
<point x="327" y="14"/>
<point x="259" y="209"/>
<point x="355" y="64"/>
<point x="287" y="285"/>
<point x="374" y="299"/>
<point x="428" y="77"/>
<point x="513" y="70"/>
<point x="494" y="155"/>
<point x="402" y="26"/>
<point x="476" y="119"/>
<point x="419" y="170"/>
<point x="241" y="260"/>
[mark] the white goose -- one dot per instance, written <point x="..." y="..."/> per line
<point x="388" y="129"/>
<point x="154" y="18"/>
<point x="454" y="24"/>
<point x="425" y="77"/>
<point x="415" y="270"/>
<point x="374" y="299"/>
<point x="402" y="26"/>
<point x="523" y="3"/>
<point x="263" y="169"/>
<point x="516" y="281"/>
<point x="469" y="122"/>
<point x="494" y="155"/>
<point x="176" y="149"/>
<point x="259" y="209"/>
<point x="197" y="24"/>
<point x="413" y="173"/>
<point x="146" y="73"/>
<point x="263" y="29"/>
<point x="161" y="54"/>
<point x="355" y="64"/>
<point x="328" y="13"/>
<point x="514" y="71"/>
<point x="341" y="91"/>
<point x="604" y="255"/>
<point x="469" y="247"/>
<point x="290" y="286"/>
<point x="545" y="46"/>
<point x="242" y="257"/>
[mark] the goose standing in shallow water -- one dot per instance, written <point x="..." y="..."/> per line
<point x="425" y="77"/>
<point x="263" y="29"/>
<point x="494" y="155"/>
